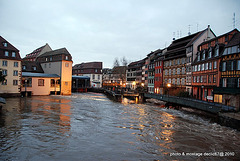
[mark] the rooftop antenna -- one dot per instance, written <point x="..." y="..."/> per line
<point x="234" y="20"/>
<point x="177" y="34"/>
<point x="180" y="33"/>
<point x="173" y="36"/>
<point x="197" y="27"/>
<point x="189" y="33"/>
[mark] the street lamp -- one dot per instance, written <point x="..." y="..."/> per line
<point x="168" y="86"/>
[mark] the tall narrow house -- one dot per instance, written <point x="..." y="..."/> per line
<point x="10" y="65"/>
<point x="58" y="62"/>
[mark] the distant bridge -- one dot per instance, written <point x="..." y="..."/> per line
<point x="193" y="103"/>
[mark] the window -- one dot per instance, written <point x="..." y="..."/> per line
<point x="6" y="53"/>
<point x="183" y="81"/>
<point x="34" y="68"/>
<point x="178" y="81"/>
<point x="215" y="64"/>
<point x="195" y="68"/>
<point x="24" y="67"/>
<point x="214" y="78"/>
<point x="49" y="65"/>
<point x="174" y="71"/>
<point x="224" y="82"/>
<point x="238" y="65"/>
<point x="173" y="81"/>
<point x="206" y="66"/>
<point x="199" y="67"/>
<point x="210" y="53"/>
<point x="46" y="59"/>
<point x="203" y="55"/>
<point x="216" y="51"/>
<point x="4" y="63"/>
<point x="5" y="44"/>
<point x="40" y="82"/>
<point x="45" y="65"/>
<point x="224" y="66"/>
<point x="98" y="77"/>
<point x="4" y="72"/>
<point x="183" y="60"/>
<point x="15" y="73"/>
<point x="178" y="70"/>
<point x="203" y="67"/>
<point x="15" y="64"/>
<point x="194" y="79"/>
<point x="66" y="57"/>
<point x="201" y="79"/>
<point x="13" y="54"/>
<point x="198" y="79"/>
<point x="4" y="82"/>
<point x="178" y="61"/>
<point x="52" y="83"/>
<point x="15" y="82"/>
<point x="232" y="66"/>
<point x="209" y="78"/>
<point x="93" y="76"/>
<point x="198" y="57"/>
<point x="210" y="65"/>
<point x="96" y="70"/>
<point x="183" y="70"/>
<point x="170" y="71"/>
<point x="50" y="59"/>
<point x="166" y="72"/>
<point x="66" y="64"/>
<point x="169" y="81"/>
<point x="238" y="85"/>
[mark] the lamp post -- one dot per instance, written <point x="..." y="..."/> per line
<point x="168" y="86"/>
<point x="25" y="87"/>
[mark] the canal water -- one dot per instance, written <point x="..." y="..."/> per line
<point x="90" y="126"/>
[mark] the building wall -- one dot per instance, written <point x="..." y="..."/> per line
<point x="66" y="77"/>
<point x="10" y="88"/>
<point x="40" y="90"/>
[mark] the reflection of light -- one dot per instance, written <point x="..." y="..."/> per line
<point x="134" y="83"/>
<point x="142" y="84"/>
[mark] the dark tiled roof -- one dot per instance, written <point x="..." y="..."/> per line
<point x="56" y="52"/>
<point x="30" y="67"/>
<point x="89" y="65"/>
<point x="10" y="48"/>
<point x="235" y="40"/>
<point x="35" y="52"/>
<point x="42" y="75"/>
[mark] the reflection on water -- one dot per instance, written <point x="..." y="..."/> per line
<point x="89" y="126"/>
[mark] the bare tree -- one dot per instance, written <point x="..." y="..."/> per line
<point x="116" y="63"/>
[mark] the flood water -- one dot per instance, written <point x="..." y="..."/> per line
<point x="90" y="126"/>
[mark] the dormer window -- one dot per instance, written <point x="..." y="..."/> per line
<point x="217" y="51"/>
<point x="34" y="68"/>
<point x="66" y="57"/>
<point x="210" y="53"/>
<point x="203" y="55"/>
<point x="24" y="67"/>
<point x="198" y="56"/>
<point x="13" y="54"/>
<point x="5" y="44"/>
<point x="6" y="53"/>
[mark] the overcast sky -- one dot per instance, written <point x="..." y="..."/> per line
<point x="101" y="30"/>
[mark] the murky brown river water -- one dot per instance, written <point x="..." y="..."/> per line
<point x="89" y="126"/>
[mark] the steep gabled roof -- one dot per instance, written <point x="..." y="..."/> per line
<point x="9" y="46"/>
<point x="235" y="40"/>
<point x="29" y="66"/>
<point x="56" y="52"/>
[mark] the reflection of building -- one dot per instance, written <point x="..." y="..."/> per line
<point x="228" y="91"/>
<point x="206" y="74"/>
<point x="91" y="69"/>
<point x="10" y="64"/>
